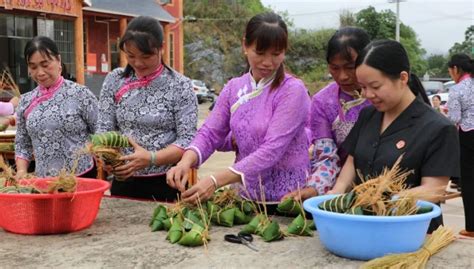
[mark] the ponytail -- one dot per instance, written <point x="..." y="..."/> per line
<point x="417" y="88"/>
<point x="463" y="62"/>
<point x="279" y="76"/>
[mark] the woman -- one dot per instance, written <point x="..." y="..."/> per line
<point x="436" y="102"/>
<point x="152" y="105"/>
<point x="334" y="110"/>
<point x="265" y="110"/>
<point x="461" y="112"/>
<point x="55" y="120"/>
<point x="398" y="122"/>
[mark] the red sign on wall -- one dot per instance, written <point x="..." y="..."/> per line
<point x="68" y="7"/>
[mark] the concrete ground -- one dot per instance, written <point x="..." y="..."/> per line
<point x="453" y="210"/>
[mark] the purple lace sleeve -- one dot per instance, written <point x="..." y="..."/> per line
<point x="319" y="124"/>
<point x="324" y="166"/>
<point x="289" y="117"/>
<point x="215" y="129"/>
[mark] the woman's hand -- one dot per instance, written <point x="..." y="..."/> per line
<point x="301" y="195"/>
<point x="20" y="174"/>
<point x="14" y="101"/>
<point x="138" y="160"/>
<point x="177" y="176"/>
<point x="201" y="192"/>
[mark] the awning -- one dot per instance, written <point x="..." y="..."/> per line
<point x="131" y="8"/>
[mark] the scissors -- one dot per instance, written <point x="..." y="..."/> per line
<point x="244" y="239"/>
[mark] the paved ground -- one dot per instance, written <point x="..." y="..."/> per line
<point x="453" y="211"/>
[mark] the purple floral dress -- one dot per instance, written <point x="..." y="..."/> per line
<point x="333" y="114"/>
<point x="268" y="127"/>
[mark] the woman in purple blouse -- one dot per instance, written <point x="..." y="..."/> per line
<point x="266" y="110"/>
<point x="334" y="110"/>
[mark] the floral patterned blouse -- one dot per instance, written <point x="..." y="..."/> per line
<point x="56" y="129"/>
<point x="461" y="104"/>
<point x="159" y="113"/>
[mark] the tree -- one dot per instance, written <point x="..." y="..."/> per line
<point x="381" y="25"/>
<point x="212" y="50"/>
<point x="467" y="46"/>
<point x="437" y="66"/>
<point x="347" y="18"/>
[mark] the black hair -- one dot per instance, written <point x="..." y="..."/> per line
<point x="42" y="44"/>
<point x="436" y="96"/>
<point x="345" y="39"/>
<point x="268" y="30"/>
<point x="391" y="58"/>
<point x="463" y="62"/>
<point x="146" y="34"/>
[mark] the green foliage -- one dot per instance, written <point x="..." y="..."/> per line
<point x="306" y="57"/>
<point x="381" y="25"/>
<point x="437" y="65"/>
<point x="212" y="50"/>
<point x="347" y="18"/>
<point x="467" y="46"/>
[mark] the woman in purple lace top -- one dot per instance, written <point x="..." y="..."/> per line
<point x="266" y="110"/>
<point x="334" y="110"/>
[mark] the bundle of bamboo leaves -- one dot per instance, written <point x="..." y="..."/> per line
<point x="384" y="195"/>
<point x="107" y="147"/>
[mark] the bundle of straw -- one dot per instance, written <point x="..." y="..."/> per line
<point x="418" y="259"/>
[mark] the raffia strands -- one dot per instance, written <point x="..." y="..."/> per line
<point x="414" y="260"/>
<point x="375" y="195"/>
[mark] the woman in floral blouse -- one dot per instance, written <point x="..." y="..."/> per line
<point x="55" y="119"/>
<point x="151" y="104"/>
<point x="461" y="112"/>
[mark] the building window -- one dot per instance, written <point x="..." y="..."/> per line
<point x="15" y="32"/>
<point x="114" y="53"/>
<point x="171" y="49"/>
<point x="165" y="2"/>
<point x="64" y="38"/>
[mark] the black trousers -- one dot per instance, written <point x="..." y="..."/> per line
<point x="466" y="140"/>
<point x="151" y="188"/>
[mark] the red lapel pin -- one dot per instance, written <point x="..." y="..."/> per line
<point x="400" y="144"/>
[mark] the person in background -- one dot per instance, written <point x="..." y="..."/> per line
<point x="8" y="108"/>
<point x="54" y="120"/>
<point x="334" y="110"/>
<point x="151" y="104"/>
<point x="399" y="122"/>
<point x="436" y="102"/>
<point x="461" y="112"/>
<point x="265" y="110"/>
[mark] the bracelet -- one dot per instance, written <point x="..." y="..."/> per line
<point x="152" y="158"/>
<point x="214" y="180"/>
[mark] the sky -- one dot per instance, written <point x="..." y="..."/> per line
<point x="438" y="24"/>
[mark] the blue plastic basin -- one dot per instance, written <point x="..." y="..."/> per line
<point x="368" y="237"/>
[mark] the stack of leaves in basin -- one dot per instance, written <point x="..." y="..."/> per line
<point x="384" y="195"/>
<point x="107" y="147"/>
<point x="64" y="182"/>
